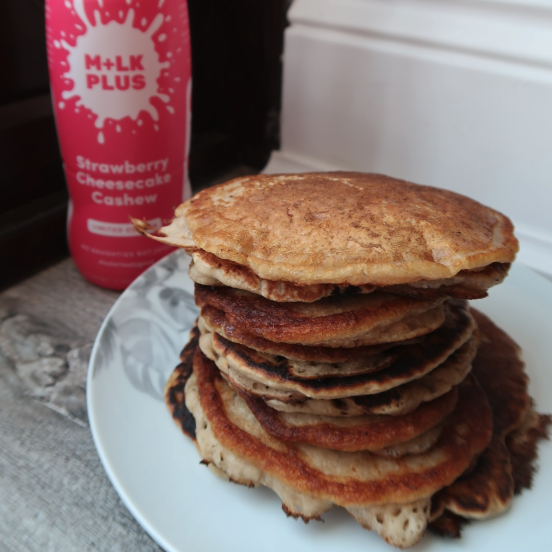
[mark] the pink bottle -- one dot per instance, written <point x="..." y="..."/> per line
<point x="121" y="88"/>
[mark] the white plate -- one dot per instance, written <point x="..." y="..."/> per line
<point x="184" y="507"/>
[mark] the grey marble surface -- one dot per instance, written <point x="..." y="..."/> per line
<point x="54" y="493"/>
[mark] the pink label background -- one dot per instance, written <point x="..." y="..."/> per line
<point x="122" y="258"/>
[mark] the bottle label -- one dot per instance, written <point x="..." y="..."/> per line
<point x="121" y="88"/>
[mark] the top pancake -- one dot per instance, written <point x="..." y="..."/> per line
<point x="342" y="228"/>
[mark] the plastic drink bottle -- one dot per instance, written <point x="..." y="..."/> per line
<point x="120" y="75"/>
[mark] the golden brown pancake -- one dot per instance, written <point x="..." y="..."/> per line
<point x="343" y="363"/>
<point x="346" y="478"/>
<point x="348" y="322"/>
<point x="215" y="320"/>
<point x="400" y="524"/>
<point x="241" y="364"/>
<point x="352" y="434"/>
<point x="209" y="270"/>
<point x="398" y="400"/>
<point x="341" y="228"/>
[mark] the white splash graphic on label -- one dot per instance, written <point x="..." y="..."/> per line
<point x="114" y="68"/>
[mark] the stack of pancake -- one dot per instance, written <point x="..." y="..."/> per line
<point x="336" y="360"/>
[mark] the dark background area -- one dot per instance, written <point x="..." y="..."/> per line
<point x="236" y="71"/>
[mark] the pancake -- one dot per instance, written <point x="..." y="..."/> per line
<point x="174" y="398"/>
<point x="346" y="478"/>
<point x="366" y="319"/>
<point x="341" y="228"/>
<point x="332" y="361"/>
<point x="241" y="366"/>
<point x="310" y="480"/>
<point x="489" y="489"/>
<point x="397" y="401"/>
<point x="400" y="525"/>
<point x="209" y="270"/>
<point x="352" y="434"/>
<point x="284" y="368"/>
<point x="215" y="320"/>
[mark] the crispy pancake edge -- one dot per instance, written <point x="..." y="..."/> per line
<point x="174" y="388"/>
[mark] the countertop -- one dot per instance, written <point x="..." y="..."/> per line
<point x="54" y="493"/>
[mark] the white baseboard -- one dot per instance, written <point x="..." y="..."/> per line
<point x="288" y="162"/>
